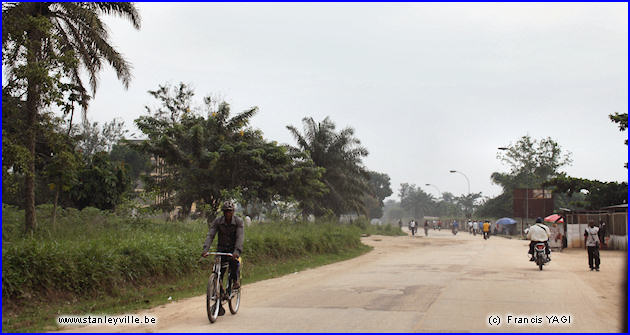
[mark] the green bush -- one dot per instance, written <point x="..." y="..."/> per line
<point x="92" y="251"/>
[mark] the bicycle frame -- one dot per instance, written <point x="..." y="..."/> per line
<point x="217" y="267"/>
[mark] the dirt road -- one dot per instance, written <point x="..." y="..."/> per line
<point x="440" y="283"/>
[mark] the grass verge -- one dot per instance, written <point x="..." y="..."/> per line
<point x="42" y="316"/>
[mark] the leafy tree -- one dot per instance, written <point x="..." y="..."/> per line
<point x="600" y="194"/>
<point x="467" y="203"/>
<point x="416" y="201"/>
<point x="532" y="162"/>
<point x="94" y="138"/>
<point x="499" y="206"/>
<point x="621" y="119"/>
<point x="136" y="162"/>
<point x="45" y="46"/>
<point x="379" y="190"/>
<point x="393" y="211"/>
<point x="341" y="155"/>
<point x="210" y="158"/>
<point x="102" y="185"/>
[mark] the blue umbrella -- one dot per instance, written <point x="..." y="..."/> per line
<point x="505" y="221"/>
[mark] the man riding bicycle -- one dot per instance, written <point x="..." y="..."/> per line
<point x="231" y="236"/>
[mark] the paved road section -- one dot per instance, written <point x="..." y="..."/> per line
<point x="439" y="283"/>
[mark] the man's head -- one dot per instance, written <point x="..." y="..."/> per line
<point x="228" y="210"/>
<point x="591" y="223"/>
<point x="539" y="220"/>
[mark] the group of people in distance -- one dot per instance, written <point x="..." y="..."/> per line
<point x="480" y="227"/>
<point x="474" y="227"/>
<point x="413" y="226"/>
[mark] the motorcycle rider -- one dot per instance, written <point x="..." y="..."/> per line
<point x="538" y="233"/>
<point x="455" y="227"/>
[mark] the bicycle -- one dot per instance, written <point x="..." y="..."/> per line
<point x="216" y="295"/>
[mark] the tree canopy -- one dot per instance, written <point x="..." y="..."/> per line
<point x="46" y="46"/>
<point x="206" y="158"/>
<point x="341" y="155"/>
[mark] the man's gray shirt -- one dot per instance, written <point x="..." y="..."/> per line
<point x="231" y="235"/>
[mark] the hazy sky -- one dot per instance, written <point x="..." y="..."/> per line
<point x="427" y="87"/>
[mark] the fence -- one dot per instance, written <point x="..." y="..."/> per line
<point x="614" y="229"/>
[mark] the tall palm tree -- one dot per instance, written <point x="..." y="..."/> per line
<point x="45" y="41"/>
<point x="341" y="154"/>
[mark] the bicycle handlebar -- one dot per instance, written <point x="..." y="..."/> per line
<point x="220" y="254"/>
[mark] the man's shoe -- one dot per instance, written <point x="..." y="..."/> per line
<point x="236" y="285"/>
<point x="592" y="269"/>
<point x="532" y="259"/>
<point x="597" y="269"/>
<point x="221" y="311"/>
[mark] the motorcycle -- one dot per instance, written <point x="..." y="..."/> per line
<point x="540" y="256"/>
<point x="454" y="231"/>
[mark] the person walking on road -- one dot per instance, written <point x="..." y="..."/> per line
<point x="475" y="227"/>
<point x="426" y="228"/>
<point x="400" y="223"/>
<point x="470" y="227"/>
<point x="455" y="227"/>
<point x="486" y="230"/>
<point x="591" y="240"/>
<point x="413" y="227"/>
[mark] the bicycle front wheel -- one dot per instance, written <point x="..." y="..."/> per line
<point x="213" y="298"/>
<point x="235" y="300"/>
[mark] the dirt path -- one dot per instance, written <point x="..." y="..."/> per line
<point x="440" y="283"/>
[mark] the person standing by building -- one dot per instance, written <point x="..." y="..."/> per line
<point x="591" y="241"/>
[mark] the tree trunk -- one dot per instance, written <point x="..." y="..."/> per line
<point x="57" y="191"/>
<point x="32" y="106"/>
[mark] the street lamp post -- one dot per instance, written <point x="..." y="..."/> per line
<point x="467" y="180"/>
<point x="435" y="188"/>
<point x="468" y="183"/>
<point x="526" y="196"/>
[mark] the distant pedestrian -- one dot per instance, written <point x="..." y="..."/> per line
<point x="470" y="227"/>
<point x="602" y="234"/>
<point x="426" y="228"/>
<point x="486" y="230"/>
<point x="413" y="226"/>
<point x="591" y="241"/>
<point x="475" y="228"/>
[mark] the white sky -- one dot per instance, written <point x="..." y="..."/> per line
<point x="427" y="87"/>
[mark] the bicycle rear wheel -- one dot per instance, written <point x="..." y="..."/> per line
<point x="213" y="298"/>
